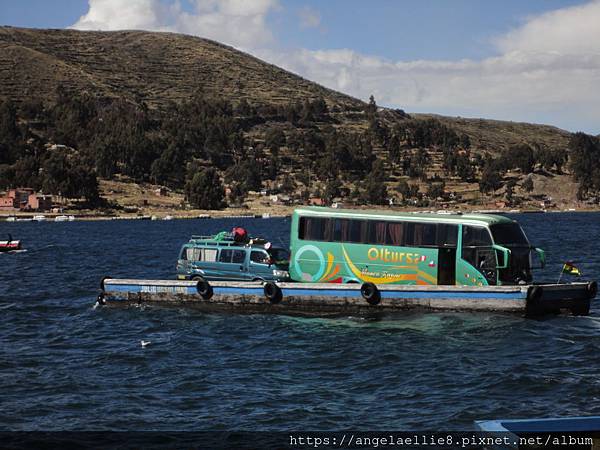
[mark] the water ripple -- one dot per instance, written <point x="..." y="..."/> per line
<point x="66" y="365"/>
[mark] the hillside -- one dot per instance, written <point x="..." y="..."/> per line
<point x="501" y="134"/>
<point x="142" y="109"/>
<point x="155" y="67"/>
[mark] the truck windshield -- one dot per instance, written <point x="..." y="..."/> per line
<point x="279" y="254"/>
<point x="509" y="235"/>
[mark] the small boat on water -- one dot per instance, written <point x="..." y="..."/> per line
<point x="555" y="432"/>
<point x="10" y="245"/>
<point x="39" y="218"/>
<point x="11" y="219"/>
<point x="64" y="218"/>
<point x="168" y="218"/>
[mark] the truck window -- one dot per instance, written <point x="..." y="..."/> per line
<point x="209" y="254"/>
<point x="232" y="256"/>
<point x="194" y="254"/>
<point x="259" y="257"/>
<point x="200" y="254"/>
<point x="238" y="257"/>
<point x="225" y="255"/>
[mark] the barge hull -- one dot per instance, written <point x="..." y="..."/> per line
<point x="300" y="298"/>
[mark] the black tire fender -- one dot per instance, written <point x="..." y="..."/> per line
<point x="534" y="294"/>
<point x="273" y="292"/>
<point x="102" y="282"/>
<point x="592" y="289"/>
<point x="204" y="289"/>
<point x="101" y="300"/>
<point x="370" y="293"/>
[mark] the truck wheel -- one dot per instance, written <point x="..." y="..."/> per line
<point x="273" y="292"/>
<point x="204" y="289"/>
<point x="370" y="293"/>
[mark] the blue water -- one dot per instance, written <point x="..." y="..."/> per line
<point x="67" y="366"/>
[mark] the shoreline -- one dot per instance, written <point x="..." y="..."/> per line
<point x="234" y="213"/>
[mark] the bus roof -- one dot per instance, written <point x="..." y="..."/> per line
<point x="473" y="219"/>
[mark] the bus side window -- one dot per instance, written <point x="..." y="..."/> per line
<point x="315" y="229"/>
<point x="476" y="247"/>
<point x="376" y="232"/>
<point x="428" y="235"/>
<point x="409" y="234"/>
<point x="340" y="230"/>
<point x="447" y="235"/>
<point x="395" y="233"/>
<point x="302" y="228"/>
<point x="357" y="231"/>
<point x="311" y="228"/>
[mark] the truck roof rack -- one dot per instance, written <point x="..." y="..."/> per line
<point x="228" y="241"/>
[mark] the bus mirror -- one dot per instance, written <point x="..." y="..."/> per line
<point x="542" y="255"/>
<point x="502" y="254"/>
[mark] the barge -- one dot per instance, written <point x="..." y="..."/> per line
<point x="336" y="299"/>
<point x="355" y="261"/>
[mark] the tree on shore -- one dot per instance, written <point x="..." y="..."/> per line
<point x="490" y="179"/>
<point x="375" y="188"/>
<point x="205" y="190"/>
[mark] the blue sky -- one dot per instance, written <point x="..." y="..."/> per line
<point x="517" y="60"/>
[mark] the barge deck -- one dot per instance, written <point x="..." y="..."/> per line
<point x="328" y="298"/>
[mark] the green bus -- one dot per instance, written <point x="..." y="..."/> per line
<point x="357" y="246"/>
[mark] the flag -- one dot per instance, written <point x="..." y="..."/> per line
<point x="571" y="269"/>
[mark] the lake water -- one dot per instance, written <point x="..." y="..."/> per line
<point x="65" y="365"/>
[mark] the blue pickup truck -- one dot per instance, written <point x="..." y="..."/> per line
<point x="218" y="258"/>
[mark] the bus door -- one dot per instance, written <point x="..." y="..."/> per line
<point x="478" y="252"/>
<point x="447" y="265"/>
<point x="447" y="237"/>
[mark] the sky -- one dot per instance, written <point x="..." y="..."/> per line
<point x="534" y="61"/>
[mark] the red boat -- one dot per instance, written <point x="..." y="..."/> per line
<point x="10" y="245"/>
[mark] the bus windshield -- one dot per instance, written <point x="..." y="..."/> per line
<point x="509" y="235"/>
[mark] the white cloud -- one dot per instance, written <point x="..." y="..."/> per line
<point x="547" y="70"/>
<point x="309" y="17"/>
<point x="240" y="23"/>
<point x="574" y="30"/>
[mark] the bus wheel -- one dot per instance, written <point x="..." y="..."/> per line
<point x="204" y="289"/>
<point x="273" y="292"/>
<point x="370" y="293"/>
